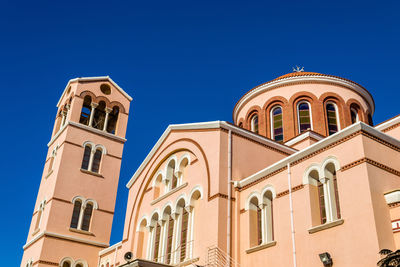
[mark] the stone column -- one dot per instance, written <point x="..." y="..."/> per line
<point x="94" y="106"/>
<point x="108" y="110"/>
<point x="327" y="199"/>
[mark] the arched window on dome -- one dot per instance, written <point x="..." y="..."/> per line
<point x="354" y="113"/>
<point x="277" y="123"/>
<point x="332" y="118"/>
<point x="254" y="123"/>
<point x="241" y="124"/>
<point x="304" y="116"/>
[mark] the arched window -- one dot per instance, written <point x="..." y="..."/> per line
<point x="277" y="124"/>
<point x="304" y="116"/>
<point x="184" y="231"/>
<point x="87" y="215"/>
<point x="267" y="217"/>
<point x="332" y="118"/>
<point x="181" y="173"/>
<point x="254" y="123"/>
<point x="112" y="120"/>
<point x="354" y="113"/>
<point x="79" y="265"/>
<point x="99" y="116"/>
<point x="66" y="264"/>
<point x="331" y="189"/>
<point x="86" y="157"/>
<point x="40" y="214"/>
<point x="170" y="232"/>
<point x="255" y="223"/>
<point x="141" y="239"/>
<point x="157" y="186"/>
<point x="96" y="160"/>
<point x="86" y="110"/>
<point x="157" y="242"/>
<point x="317" y="197"/>
<point x="75" y="214"/>
<point x="241" y="124"/>
<point x="171" y="176"/>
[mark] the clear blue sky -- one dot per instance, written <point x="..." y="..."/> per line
<point x="164" y="53"/>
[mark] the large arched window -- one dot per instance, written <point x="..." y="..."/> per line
<point x="317" y="197"/>
<point x="99" y="116"/>
<point x="75" y="214"/>
<point x="304" y="116"/>
<point x="86" y="110"/>
<point x="332" y="118"/>
<point x="112" y="120"/>
<point x="87" y="215"/>
<point x="254" y="123"/>
<point x="277" y="123"/>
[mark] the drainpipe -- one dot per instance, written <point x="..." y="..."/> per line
<point x="291" y="215"/>
<point x="228" y="230"/>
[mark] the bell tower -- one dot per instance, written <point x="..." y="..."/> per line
<point x="74" y="209"/>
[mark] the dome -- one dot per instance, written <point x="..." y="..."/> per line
<point x="319" y="91"/>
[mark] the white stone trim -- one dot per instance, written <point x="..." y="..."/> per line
<point x="303" y="136"/>
<point x="309" y="78"/>
<point x="94" y="79"/>
<point x="160" y="172"/>
<point x="267" y="188"/>
<point x="103" y="149"/>
<point x="314" y="147"/>
<point x="336" y="114"/>
<point x="330" y="159"/>
<point x="182" y="196"/>
<point x="387" y="124"/>
<point x="250" y="197"/>
<point x="67" y="237"/>
<point x="111" y="248"/>
<point x="392" y="197"/>
<point x="207" y="125"/>
<point x="306" y="176"/>
<point x="197" y="188"/>
<point x="298" y="115"/>
<point x="144" y="217"/>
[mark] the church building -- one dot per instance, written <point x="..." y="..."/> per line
<point x="301" y="177"/>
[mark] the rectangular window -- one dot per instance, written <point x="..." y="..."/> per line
<point x="169" y="239"/>
<point x="157" y="242"/>
<point x="321" y="202"/>
<point x="185" y="219"/>
<point x="259" y="226"/>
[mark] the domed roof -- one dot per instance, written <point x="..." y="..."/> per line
<point x="293" y="76"/>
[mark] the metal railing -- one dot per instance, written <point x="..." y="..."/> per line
<point x="216" y="257"/>
<point x="181" y="254"/>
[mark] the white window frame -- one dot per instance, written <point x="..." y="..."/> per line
<point x="336" y="113"/>
<point x="298" y="115"/>
<point x="272" y="120"/>
<point x="252" y="123"/>
<point x="84" y="202"/>
<point x="93" y="150"/>
<point x="356" y="112"/>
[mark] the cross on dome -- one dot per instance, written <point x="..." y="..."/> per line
<point x="298" y="69"/>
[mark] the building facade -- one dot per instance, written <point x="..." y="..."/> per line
<point x="300" y="178"/>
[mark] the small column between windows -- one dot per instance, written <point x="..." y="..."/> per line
<point x="94" y="106"/>
<point x="108" y="110"/>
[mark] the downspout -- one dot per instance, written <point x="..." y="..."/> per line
<point x="291" y="215"/>
<point x="229" y="218"/>
<point x="115" y="255"/>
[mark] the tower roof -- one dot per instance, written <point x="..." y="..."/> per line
<point x="98" y="78"/>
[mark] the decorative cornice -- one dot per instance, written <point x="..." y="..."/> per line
<point x="220" y="195"/>
<point x="286" y="192"/>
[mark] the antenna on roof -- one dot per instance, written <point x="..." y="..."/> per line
<point x="298" y="69"/>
